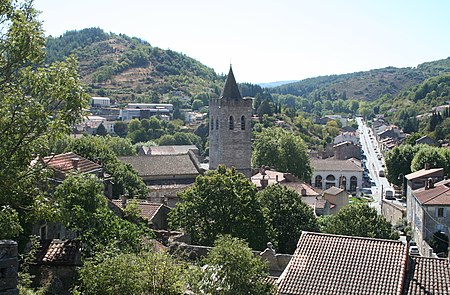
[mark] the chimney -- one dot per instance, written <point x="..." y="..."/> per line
<point x="430" y="183"/>
<point x="303" y="191"/>
<point x="123" y="198"/>
<point x="75" y="162"/>
<point x="264" y="181"/>
<point x="276" y="178"/>
<point x="427" y="166"/>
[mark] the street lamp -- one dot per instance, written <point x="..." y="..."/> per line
<point x="402" y="177"/>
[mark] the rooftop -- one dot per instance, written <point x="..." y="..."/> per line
<point x="67" y="162"/>
<point x="332" y="164"/>
<point x="427" y="276"/>
<point x="146" y="209"/>
<point x="333" y="191"/>
<point x="163" y="165"/>
<point x="231" y="90"/>
<point x="439" y="194"/>
<point x="424" y="173"/>
<point x="59" y="252"/>
<point x="332" y="264"/>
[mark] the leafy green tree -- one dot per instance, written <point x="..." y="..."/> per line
<point x="101" y="130"/>
<point x="83" y="208"/>
<point x="223" y="201"/>
<point x="359" y="220"/>
<point x="10" y="227"/>
<point x="287" y="216"/>
<point x="121" y="129"/>
<point x="398" y="162"/>
<point x="38" y="102"/>
<point x="234" y="269"/>
<point x="428" y="155"/>
<point x="283" y="151"/>
<point x="439" y="243"/>
<point x="147" y="272"/>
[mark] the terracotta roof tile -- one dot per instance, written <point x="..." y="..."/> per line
<point x="147" y="210"/>
<point x="333" y="191"/>
<point x="59" y="252"/>
<point x="64" y="163"/>
<point x="427" y="276"/>
<point x="330" y="264"/>
<point x="438" y="195"/>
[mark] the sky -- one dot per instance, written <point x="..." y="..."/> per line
<point x="271" y="40"/>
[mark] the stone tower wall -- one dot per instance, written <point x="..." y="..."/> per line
<point x="8" y="268"/>
<point x="230" y="147"/>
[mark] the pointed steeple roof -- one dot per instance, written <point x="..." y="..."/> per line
<point x="231" y="90"/>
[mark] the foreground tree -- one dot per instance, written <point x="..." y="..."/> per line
<point x="37" y="103"/>
<point x="287" y="216"/>
<point x="222" y="201"/>
<point x="232" y="268"/>
<point x="358" y="220"/>
<point x="147" y="272"/>
<point x="283" y="151"/>
<point x="83" y="209"/>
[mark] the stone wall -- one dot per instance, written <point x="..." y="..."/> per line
<point x="8" y="268"/>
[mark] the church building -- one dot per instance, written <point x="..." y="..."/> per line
<point x="230" y="129"/>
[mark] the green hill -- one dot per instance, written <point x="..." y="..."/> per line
<point x="128" y="68"/>
<point x="367" y="85"/>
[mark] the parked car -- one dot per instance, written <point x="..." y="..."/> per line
<point x="414" y="251"/>
<point x="389" y="194"/>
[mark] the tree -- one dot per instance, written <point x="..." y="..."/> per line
<point x="37" y="103"/>
<point x="83" y="209"/>
<point x="428" y="155"/>
<point x="235" y="269"/>
<point x="147" y="272"/>
<point x="10" y="227"/>
<point x="121" y="129"/>
<point x="222" y="201"/>
<point x="398" y="162"/>
<point x="287" y="216"/>
<point x="359" y="220"/>
<point x="439" y="243"/>
<point x="283" y="151"/>
<point x="101" y="130"/>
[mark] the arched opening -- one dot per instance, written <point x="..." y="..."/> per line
<point x="243" y="123"/>
<point x="330" y="181"/>
<point x="318" y="182"/>
<point x="343" y="182"/>
<point x="212" y="123"/>
<point x="353" y="183"/>
<point x="217" y="124"/>
<point x="231" y="123"/>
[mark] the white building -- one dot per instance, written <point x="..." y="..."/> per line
<point x="145" y="110"/>
<point x="352" y="137"/>
<point x="100" y="102"/>
<point x="346" y="174"/>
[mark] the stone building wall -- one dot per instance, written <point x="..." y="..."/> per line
<point x="8" y="268"/>
<point x="230" y="147"/>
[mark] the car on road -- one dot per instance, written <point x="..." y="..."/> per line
<point x="372" y="183"/>
<point x="389" y="194"/>
<point x="414" y="251"/>
<point x="381" y="173"/>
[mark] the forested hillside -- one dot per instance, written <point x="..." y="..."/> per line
<point x="367" y="85"/>
<point x="128" y="68"/>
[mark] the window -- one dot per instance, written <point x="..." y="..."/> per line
<point x="217" y="124"/>
<point x="343" y="182"/>
<point x="231" y="123"/>
<point x="318" y="182"/>
<point x="330" y="181"/>
<point x="440" y="212"/>
<point x="212" y="123"/>
<point x="242" y="123"/>
<point x="353" y="183"/>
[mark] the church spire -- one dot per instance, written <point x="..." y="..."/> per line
<point x="231" y="90"/>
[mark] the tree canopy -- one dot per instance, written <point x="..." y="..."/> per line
<point x="222" y="201"/>
<point x="282" y="151"/>
<point x="287" y="216"/>
<point x="38" y="102"/>
<point x="358" y="220"/>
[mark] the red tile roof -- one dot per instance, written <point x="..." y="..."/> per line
<point x="147" y="210"/>
<point x="59" y="252"/>
<point x="427" y="276"/>
<point x="330" y="264"/>
<point x="64" y="163"/>
<point x="438" y="195"/>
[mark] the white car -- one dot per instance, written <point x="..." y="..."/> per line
<point x="414" y="251"/>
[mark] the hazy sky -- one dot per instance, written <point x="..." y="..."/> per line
<point x="270" y="41"/>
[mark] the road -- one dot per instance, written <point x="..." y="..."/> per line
<point x="374" y="165"/>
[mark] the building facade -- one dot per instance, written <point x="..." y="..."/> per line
<point x="230" y="129"/>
